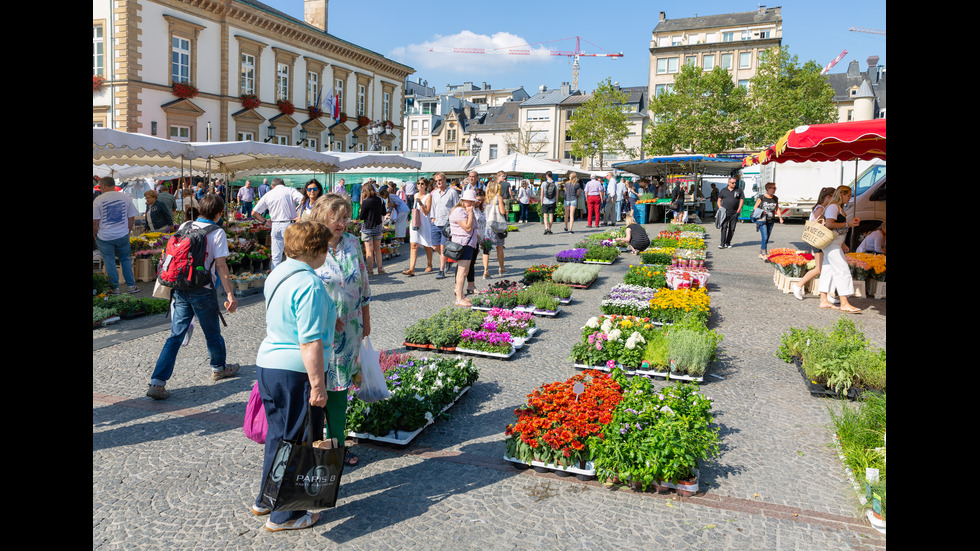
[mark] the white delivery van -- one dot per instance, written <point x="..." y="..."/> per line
<point x="799" y="184"/>
<point x="868" y="202"/>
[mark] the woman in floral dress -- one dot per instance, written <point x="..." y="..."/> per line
<point x="345" y="276"/>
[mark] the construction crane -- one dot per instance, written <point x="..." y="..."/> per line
<point x="866" y="30"/>
<point x="526" y="50"/>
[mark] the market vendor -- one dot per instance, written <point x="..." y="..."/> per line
<point x="158" y="216"/>
<point x="874" y="242"/>
<point x="636" y="237"/>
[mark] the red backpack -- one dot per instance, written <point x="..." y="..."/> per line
<point x="182" y="265"/>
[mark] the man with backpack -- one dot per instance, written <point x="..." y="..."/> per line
<point x="192" y="262"/>
<point x="549" y="194"/>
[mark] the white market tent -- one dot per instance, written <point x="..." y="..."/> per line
<point x="518" y="163"/>
<point x="133" y="153"/>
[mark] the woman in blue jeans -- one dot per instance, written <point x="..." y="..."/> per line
<point x="300" y="317"/>
<point x="770" y="204"/>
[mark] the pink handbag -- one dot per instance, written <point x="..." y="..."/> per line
<point x="255" y="422"/>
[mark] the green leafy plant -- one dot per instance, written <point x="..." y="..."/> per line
<point x="690" y="350"/>
<point x="861" y="434"/>
<point x="100" y="314"/>
<point x="601" y="253"/>
<point x="575" y="274"/>
<point x="654" y="436"/>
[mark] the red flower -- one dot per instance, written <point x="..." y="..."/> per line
<point x="184" y="90"/>
<point x="286" y="106"/>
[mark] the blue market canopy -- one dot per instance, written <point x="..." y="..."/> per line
<point x="673" y="164"/>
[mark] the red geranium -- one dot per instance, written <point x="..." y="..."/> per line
<point x="286" y="106"/>
<point x="184" y="90"/>
<point x="555" y="424"/>
<point x="250" y="101"/>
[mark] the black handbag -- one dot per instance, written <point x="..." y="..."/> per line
<point x="452" y="250"/>
<point x="303" y="477"/>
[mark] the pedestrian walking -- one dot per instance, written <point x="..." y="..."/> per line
<point x="443" y="198"/>
<point x="420" y="234"/>
<point x="200" y="302"/>
<point x="313" y="191"/>
<point x="730" y="199"/>
<point x="594" y="195"/>
<point x="769" y="204"/>
<point x="495" y="211"/>
<point x="292" y="361"/>
<point x="372" y="229"/>
<point x="281" y="203"/>
<point x="834" y="272"/>
<point x="549" y="201"/>
<point x="462" y="223"/>
<point x="246" y="196"/>
<point x="344" y="274"/>
<point x="816" y="215"/>
<point x="573" y="192"/>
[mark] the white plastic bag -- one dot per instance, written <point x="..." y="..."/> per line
<point x="373" y="386"/>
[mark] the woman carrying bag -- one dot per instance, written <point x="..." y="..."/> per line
<point x="292" y="359"/>
<point x="344" y="274"/>
<point x="834" y="272"/>
<point x="768" y="204"/>
<point x="462" y="224"/>
<point x="816" y="215"/>
<point x="496" y="214"/>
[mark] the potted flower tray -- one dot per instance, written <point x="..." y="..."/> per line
<point x="684" y="488"/>
<point x="536" y="312"/>
<point x="627" y="370"/>
<point x="585" y="286"/>
<point x="582" y="473"/>
<point x="876" y="521"/>
<point x="603" y="262"/>
<point x="402" y="438"/>
<point x="817" y="389"/>
<point x="487" y="354"/>
<point x="413" y="346"/>
<point x="519" y="342"/>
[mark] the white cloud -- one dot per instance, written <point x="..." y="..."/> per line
<point x="421" y="57"/>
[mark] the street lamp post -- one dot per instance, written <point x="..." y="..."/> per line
<point x="374" y="132"/>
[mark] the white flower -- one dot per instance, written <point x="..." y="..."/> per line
<point x="593" y="322"/>
<point x="428" y="416"/>
<point x="606" y="326"/>
<point x="630" y="343"/>
<point x="615" y="334"/>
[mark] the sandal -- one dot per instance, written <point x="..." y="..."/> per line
<point x="464" y="303"/>
<point x="408" y="272"/>
<point x="370" y="272"/>
<point x="259" y="511"/>
<point x="350" y="458"/>
<point x="381" y="272"/>
<point x="305" y="521"/>
<point x="428" y="270"/>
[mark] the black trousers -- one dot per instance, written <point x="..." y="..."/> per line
<point x="728" y="228"/>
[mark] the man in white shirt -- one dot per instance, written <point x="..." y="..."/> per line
<point x="281" y="202"/>
<point x="444" y="198"/>
<point x="620" y="196"/>
<point x="113" y="216"/>
<point x="472" y="181"/>
<point x="200" y="303"/>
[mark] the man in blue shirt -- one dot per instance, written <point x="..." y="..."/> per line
<point x="263" y="187"/>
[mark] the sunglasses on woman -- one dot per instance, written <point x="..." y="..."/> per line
<point x="309" y="189"/>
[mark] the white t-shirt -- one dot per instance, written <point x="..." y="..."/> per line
<point x="281" y="203"/>
<point x="113" y="209"/>
<point x="217" y="247"/>
<point x="872" y="243"/>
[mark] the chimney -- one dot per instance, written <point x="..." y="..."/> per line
<point x="853" y="69"/>
<point x="762" y="9"/>
<point x="566" y="88"/>
<point x="663" y="16"/>
<point x="873" y="71"/>
<point x="315" y="13"/>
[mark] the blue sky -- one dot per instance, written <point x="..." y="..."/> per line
<point x="405" y="31"/>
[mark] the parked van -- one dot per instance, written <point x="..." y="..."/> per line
<point x="868" y="203"/>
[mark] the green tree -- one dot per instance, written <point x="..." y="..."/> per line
<point x="600" y="124"/>
<point x="783" y="95"/>
<point x="700" y="114"/>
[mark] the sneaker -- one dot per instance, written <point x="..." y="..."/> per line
<point x="442" y="275"/>
<point x="230" y="370"/>
<point x="134" y="289"/>
<point x="258" y="510"/>
<point x="797" y="291"/>
<point x="305" y="521"/>
<point x="157" y="392"/>
<point x="728" y="246"/>
<point x="114" y="291"/>
<point x="721" y="246"/>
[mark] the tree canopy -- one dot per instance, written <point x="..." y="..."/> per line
<point x="600" y="124"/>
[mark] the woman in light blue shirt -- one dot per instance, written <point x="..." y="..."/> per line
<point x="300" y="317"/>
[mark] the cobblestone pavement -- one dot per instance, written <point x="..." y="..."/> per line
<point x="180" y="474"/>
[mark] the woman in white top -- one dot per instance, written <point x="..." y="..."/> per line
<point x="421" y="229"/>
<point x="834" y="269"/>
<point x="816" y="215"/>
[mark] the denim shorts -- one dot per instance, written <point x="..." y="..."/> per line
<point x="372" y="234"/>
<point x="437" y="238"/>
